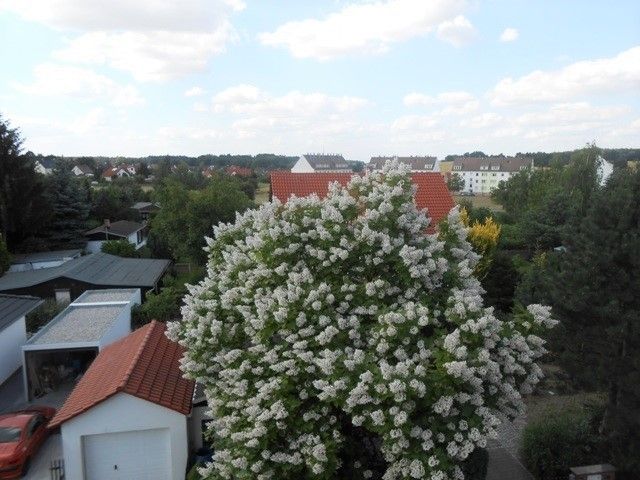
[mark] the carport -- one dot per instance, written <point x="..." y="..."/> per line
<point x="59" y="354"/>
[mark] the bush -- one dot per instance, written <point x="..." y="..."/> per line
<point x="42" y="315"/>
<point x="560" y="440"/>
<point x="5" y="257"/>
<point x="121" y="248"/>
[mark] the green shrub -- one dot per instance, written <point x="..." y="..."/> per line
<point x="5" y="257"/>
<point x="121" y="248"/>
<point x="42" y="315"/>
<point x="560" y="440"/>
<point x="193" y="474"/>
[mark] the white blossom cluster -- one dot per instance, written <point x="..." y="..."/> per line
<point x="347" y="306"/>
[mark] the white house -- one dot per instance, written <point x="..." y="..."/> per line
<point x="22" y="262"/>
<point x="65" y="347"/>
<point x="319" y="162"/>
<point x="128" y="413"/>
<point x="13" y="332"/>
<point x="133" y="232"/>
<point x="44" y="165"/>
<point x="82" y="171"/>
<point x="483" y="174"/>
<point x="119" y="171"/>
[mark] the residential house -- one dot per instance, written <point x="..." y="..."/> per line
<point x="128" y="413"/>
<point x="319" y="162"/>
<point x="119" y="171"/>
<point x="133" y="232"/>
<point x="144" y="210"/>
<point x="95" y="271"/>
<point x="64" y="348"/>
<point x="82" y="171"/>
<point x="21" y="262"/>
<point x="13" y="331"/>
<point x="432" y="192"/>
<point x="445" y="168"/>
<point x="237" y="171"/>
<point x="45" y="165"/>
<point x="483" y="174"/>
<point x="416" y="163"/>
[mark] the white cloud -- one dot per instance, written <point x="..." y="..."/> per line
<point x="458" y="32"/>
<point x="154" y="40"/>
<point x="483" y="120"/>
<point x="365" y="28"/>
<point x="194" y="92"/>
<point x="51" y="79"/>
<point x="451" y="103"/>
<point x="248" y="99"/>
<point x="619" y="73"/>
<point x="509" y="35"/>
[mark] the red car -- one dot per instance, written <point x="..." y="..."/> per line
<point x="21" y="434"/>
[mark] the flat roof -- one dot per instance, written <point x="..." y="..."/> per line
<point x="78" y="323"/>
<point x="100" y="296"/>
<point x="13" y="307"/>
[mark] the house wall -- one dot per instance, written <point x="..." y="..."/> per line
<point x="11" y="340"/>
<point x="198" y="414"/>
<point x="302" y="166"/>
<point x="482" y="181"/>
<point x="121" y="328"/>
<point x="122" y="413"/>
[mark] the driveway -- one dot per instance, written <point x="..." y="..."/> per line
<point x="12" y="395"/>
<point x="41" y="464"/>
<point x="504" y="463"/>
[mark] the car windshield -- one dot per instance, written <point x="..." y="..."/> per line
<point x="9" y="434"/>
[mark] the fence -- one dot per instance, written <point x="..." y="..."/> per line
<point x="56" y="470"/>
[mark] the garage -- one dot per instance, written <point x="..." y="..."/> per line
<point x="139" y="454"/>
<point x="126" y="419"/>
<point x="60" y="352"/>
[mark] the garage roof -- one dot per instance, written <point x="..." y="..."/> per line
<point x="96" y="269"/>
<point x="144" y="364"/>
<point x="13" y="307"/>
<point x="52" y="256"/>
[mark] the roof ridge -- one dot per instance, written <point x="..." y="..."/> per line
<point x="136" y="358"/>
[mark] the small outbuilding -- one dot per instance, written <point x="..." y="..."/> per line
<point x="22" y="262"/>
<point x="128" y="413"/>
<point x="89" y="272"/>
<point x="64" y="348"/>
<point x="133" y="232"/>
<point x="13" y="332"/>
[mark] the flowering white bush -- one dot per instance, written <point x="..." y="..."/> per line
<point x="321" y="316"/>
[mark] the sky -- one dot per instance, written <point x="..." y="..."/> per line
<point x="360" y="78"/>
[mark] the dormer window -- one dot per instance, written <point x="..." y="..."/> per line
<point x="457" y="167"/>
<point x="484" y="167"/>
<point x="495" y="167"/>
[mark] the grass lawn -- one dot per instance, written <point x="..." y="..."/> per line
<point x="479" y="201"/>
<point x="262" y="194"/>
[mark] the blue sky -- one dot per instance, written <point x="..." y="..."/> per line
<point x="88" y="77"/>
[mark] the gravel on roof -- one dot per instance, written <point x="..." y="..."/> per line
<point x="79" y="324"/>
<point x="97" y="296"/>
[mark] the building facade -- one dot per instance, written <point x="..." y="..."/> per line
<point x="320" y="162"/>
<point x="482" y="175"/>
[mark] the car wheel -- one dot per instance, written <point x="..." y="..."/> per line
<point x="25" y="467"/>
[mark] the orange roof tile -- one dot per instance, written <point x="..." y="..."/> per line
<point x="144" y="364"/>
<point x="432" y="193"/>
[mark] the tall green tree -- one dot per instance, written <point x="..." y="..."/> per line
<point x="455" y="183"/>
<point x="595" y="290"/>
<point x="70" y="207"/>
<point x="5" y="256"/>
<point x="23" y="207"/>
<point x="187" y="216"/>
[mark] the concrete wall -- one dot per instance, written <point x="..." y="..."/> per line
<point x="123" y="413"/>
<point x="11" y="340"/>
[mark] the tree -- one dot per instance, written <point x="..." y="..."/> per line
<point x="23" y="207"/>
<point x="335" y="338"/>
<point x="121" y="248"/>
<point x="455" y="183"/>
<point x="595" y="289"/>
<point x="186" y="216"/>
<point x="484" y="238"/>
<point x="70" y="207"/>
<point x="5" y="256"/>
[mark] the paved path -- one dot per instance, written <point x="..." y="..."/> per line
<point x="50" y="450"/>
<point x="504" y="463"/>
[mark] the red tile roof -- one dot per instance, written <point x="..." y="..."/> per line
<point x="239" y="171"/>
<point x="432" y="191"/>
<point x="144" y="364"/>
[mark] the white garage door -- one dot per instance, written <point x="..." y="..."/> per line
<point x="135" y="455"/>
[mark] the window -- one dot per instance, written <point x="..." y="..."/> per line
<point x="457" y="167"/>
<point x="484" y="167"/>
<point x="63" y="296"/>
<point x="36" y="423"/>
